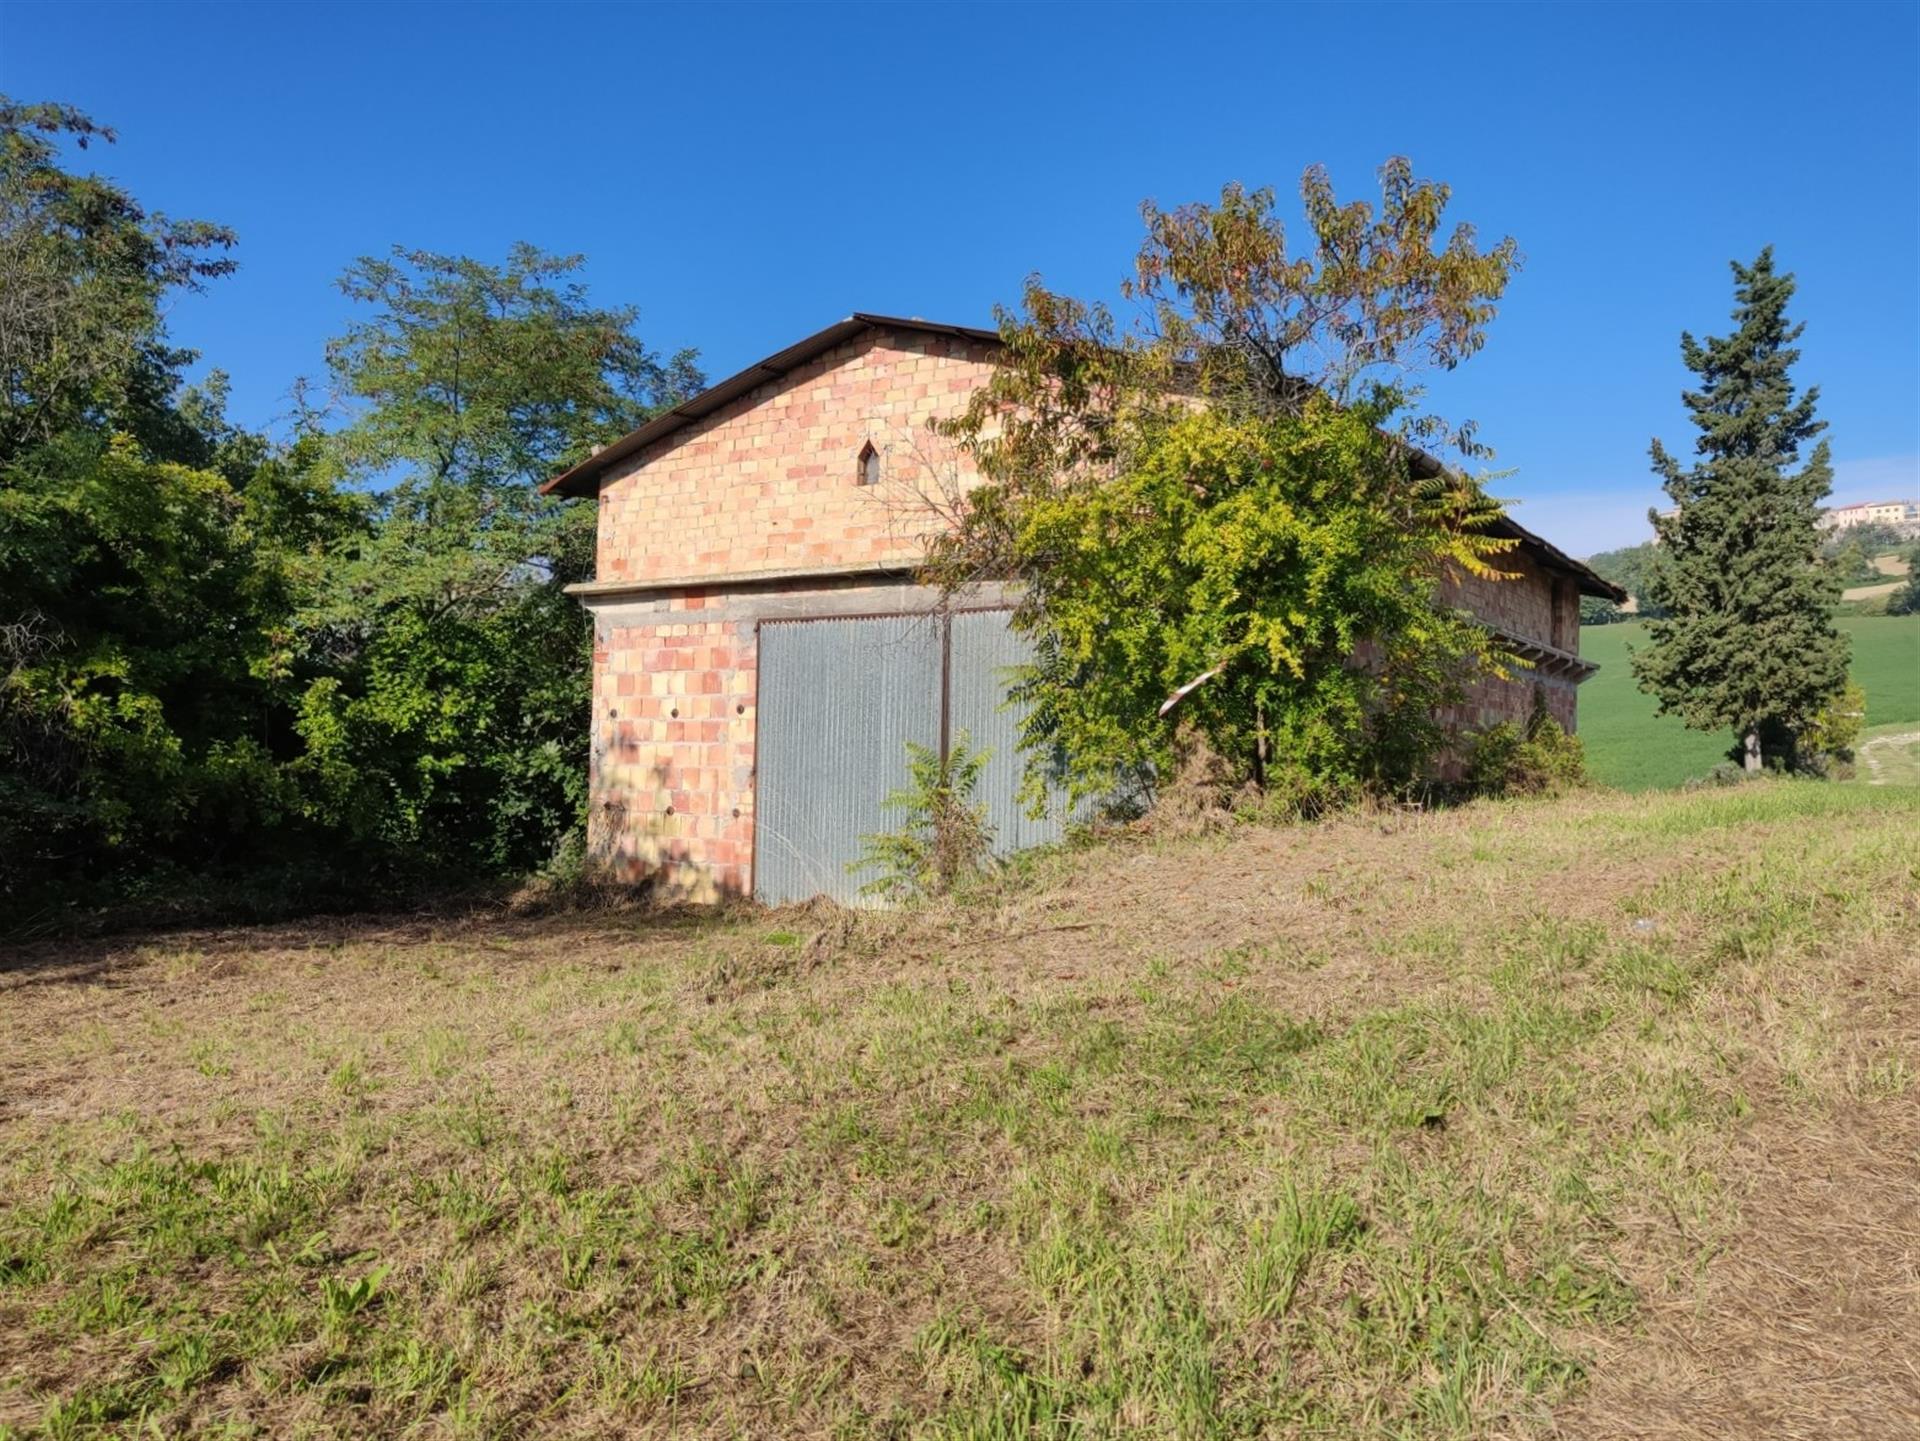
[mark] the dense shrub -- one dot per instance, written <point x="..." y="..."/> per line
<point x="1214" y="513"/>
<point x="1829" y="740"/>
<point x="1906" y="600"/>
<point x="329" y="670"/>
<point x="1536" y="758"/>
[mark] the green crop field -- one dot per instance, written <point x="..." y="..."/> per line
<point x="1631" y="747"/>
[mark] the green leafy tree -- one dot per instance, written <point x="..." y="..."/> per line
<point x="348" y="657"/>
<point x="151" y="553"/>
<point x="1748" y="641"/>
<point x="468" y="385"/>
<point x="143" y="699"/>
<point x="1852" y="564"/>
<point x="84" y="269"/>
<point x="452" y="718"/>
<point x="342" y="659"/>
<point x="1870" y="539"/>
<point x="1906" y="600"/>
<point x="1225" y="502"/>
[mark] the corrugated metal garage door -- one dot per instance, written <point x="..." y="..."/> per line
<point x="985" y="652"/>
<point x="838" y="701"/>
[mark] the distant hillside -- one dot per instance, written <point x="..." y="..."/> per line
<point x="1626" y="568"/>
<point x="1867" y="559"/>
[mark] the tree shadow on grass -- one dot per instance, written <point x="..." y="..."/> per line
<point x="114" y="959"/>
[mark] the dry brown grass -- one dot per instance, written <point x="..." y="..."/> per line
<point x="1595" y="1116"/>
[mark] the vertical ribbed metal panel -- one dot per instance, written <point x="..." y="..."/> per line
<point x="985" y="653"/>
<point x="837" y="702"/>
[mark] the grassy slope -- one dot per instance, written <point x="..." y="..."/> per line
<point x="1596" y="1114"/>
<point x="1629" y="746"/>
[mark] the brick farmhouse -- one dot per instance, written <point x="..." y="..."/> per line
<point x="801" y="490"/>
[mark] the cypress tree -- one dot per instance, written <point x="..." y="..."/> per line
<point x="1748" y="641"/>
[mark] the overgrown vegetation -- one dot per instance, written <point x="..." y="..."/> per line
<point x="1559" y="1118"/>
<point x="1906" y="600"/>
<point x="1537" y="758"/>
<point x="1214" y="511"/>
<point x="256" y="673"/>
<point x="942" y="840"/>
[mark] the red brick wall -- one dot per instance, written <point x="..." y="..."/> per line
<point x="671" y="788"/>
<point x="675" y="677"/>
<point x="769" y="482"/>
<point x="1489" y="701"/>
<point x="1535" y="605"/>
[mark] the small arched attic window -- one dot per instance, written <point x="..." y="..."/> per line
<point x="868" y="470"/>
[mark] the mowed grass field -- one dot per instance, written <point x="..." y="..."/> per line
<point x="1592" y="1118"/>
<point x="1629" y="746"/>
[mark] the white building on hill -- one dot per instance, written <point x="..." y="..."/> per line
<point x="1872" y="512"/>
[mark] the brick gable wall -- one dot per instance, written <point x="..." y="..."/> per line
<point x="769" y="483"/>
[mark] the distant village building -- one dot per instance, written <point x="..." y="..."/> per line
<point x="763" y="649"/>
<point x="1898" y="513"/>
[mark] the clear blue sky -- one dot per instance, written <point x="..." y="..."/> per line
<point x="747" y="174"/>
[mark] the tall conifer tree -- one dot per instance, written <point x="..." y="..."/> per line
<point x="1748" y="642"/>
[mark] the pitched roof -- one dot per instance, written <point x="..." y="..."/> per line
<point x="584" y="479"/>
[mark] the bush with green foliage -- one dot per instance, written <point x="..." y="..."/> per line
<point x="458" y="738"/>
<point x="1228" y="504"/>
<point x="151" y="554"/>
<point x="943" y="839"/>
<point x="1906" y="600"/>
<point x="145" y="706"/>
<point x="1834" y="732"/>
<point x="1537" y="758"/>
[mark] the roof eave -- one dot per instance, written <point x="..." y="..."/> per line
<point x="584" y="479"/>
<point x="1591" y="581"/>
